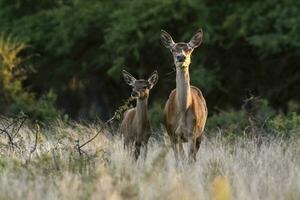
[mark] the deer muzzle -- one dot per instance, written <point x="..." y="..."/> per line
<point x="180" y="58"/>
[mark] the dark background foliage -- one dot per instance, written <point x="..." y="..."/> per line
<point x="76" y="50"/>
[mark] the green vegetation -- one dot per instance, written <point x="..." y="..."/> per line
<point x="14" y="97"/>
<point x="77" y="49"/>
<point x="61" y="60"/>
<point x="256" y="119"/>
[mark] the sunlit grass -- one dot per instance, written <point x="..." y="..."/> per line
<point x="239" y="170"/>
<point x="221" y="189"/>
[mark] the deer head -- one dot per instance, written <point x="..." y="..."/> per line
<point x="181" y="51"/>
<point x="141" y="87"/>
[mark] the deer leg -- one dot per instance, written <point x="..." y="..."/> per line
<point x="192" y="150"/>
<point x="181" y="151"/>
<point x="137" y="150"/>
<point x="194" y="147"/>
<point x="145" y="150"/>
<point x="198" y="142"/>
<point x="175" y="150"/>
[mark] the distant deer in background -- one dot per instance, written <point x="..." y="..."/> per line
<point x="185" y="111"/>
<point x="135" y="126"/>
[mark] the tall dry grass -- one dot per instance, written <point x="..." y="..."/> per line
<point x="244" y="169"/>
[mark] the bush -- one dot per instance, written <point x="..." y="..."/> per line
<point x="14" y="97"/>
<point x="230" y="122"/>
<point x="41" y="109"/>
<point x="256" y="119"/>
<point x="285" y="125"/>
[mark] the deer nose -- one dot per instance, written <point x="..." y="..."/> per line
<point x="134" y="94"/>
<point x="180" y="58"/>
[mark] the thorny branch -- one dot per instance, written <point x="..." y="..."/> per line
<point x="117" y="115"/>
<point x="15" y="131"/>
<point x="10" y="139"/>
<point x="21" y="124"/>
<point x="36" y="139"/>
<point x="35" y="142"/>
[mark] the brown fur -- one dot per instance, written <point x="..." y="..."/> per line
<point x="130" y="130"/>
<point x="135" y="126"/>
<point x="197" y="110"/>
<point x="185" y="111"/>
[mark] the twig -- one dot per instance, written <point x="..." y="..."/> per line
<point x="21" y="124"/>
<point x="9" y="136"/>
<point x="77" y="146"/>
<point x="36" y="140"/>
<point x="116" y="115"/>
<point x="98" y="132"/>
<point x="10" y="139"/>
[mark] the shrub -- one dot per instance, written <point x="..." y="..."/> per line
<point x="285" y="125"/>
<point x="258" y="119"/>
<point x="14" y="97"/>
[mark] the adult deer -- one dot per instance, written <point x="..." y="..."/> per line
<point x="185" y="110"/>
<point x="135" y="126"/>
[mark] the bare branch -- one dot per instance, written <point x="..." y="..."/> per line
<point x="116" y="115"/>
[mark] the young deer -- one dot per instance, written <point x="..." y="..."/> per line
<point x="135" y="126"/>
<point x="185" y="111"/>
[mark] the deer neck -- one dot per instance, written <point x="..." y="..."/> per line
<point x="183" y="91"/>
<point x="141" y="113"/>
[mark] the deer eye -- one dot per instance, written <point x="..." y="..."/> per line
<point x="173" y="50"/>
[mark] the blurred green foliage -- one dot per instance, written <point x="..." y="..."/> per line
<point x="257" y="119"/>
<point x="14" y="97"/>
<point x="79" y="47"/>
<point x="286" y="125"/>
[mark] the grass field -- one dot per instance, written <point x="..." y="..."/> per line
<point x="241" y="169"/>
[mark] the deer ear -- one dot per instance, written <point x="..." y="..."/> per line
<point x="196" y="39"/>
<point x="166" y="39"/>
<point x="152" y="80"/>
<point x="129" y="79"/>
